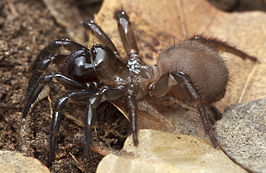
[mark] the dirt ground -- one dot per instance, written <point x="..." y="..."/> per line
<point x="26" y="27"/>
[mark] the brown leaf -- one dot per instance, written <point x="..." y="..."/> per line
<point x="159" y="24"/>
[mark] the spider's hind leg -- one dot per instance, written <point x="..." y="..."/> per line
<point x="218" y="45"/>
<point x="170" y="80"/>
<point x="200" y="104"/>
<point x="217" y="115"/>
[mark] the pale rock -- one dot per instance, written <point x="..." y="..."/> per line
<point x="242" y="133"/>
<point x="12" y="162"/>
<point x="161" y="152"/>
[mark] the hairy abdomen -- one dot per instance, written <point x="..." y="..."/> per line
<point x="205" y="67"/>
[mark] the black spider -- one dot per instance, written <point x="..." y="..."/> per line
<point x="192" y="69"/>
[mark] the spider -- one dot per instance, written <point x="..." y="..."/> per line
<point x="189" y="70"/>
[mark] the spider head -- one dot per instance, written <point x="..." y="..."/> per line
<point x="79" y="67"/>
<point x="109" y="69"/>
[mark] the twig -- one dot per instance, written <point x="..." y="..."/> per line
<point x="78" y="164"/>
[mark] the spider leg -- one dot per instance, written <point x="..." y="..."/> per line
<point x="94" y="97"/>
<point x="200" y="104"/>
<point x="104" y="93"/>
<point x="33" y="87"/>
<point x="217" y="115"/>
<point x="39" y="82"/>
<point x="169" y="80"/>
<point x="134" y="61"/>
<point x="97" y="31"/>
<point x="218" y="45"/>
<point x="57" y="117"/>
<point x="88" y="130"/>
<point x="41" y="64"/>
<point x="133" y="107"/>
<point x="126" y="33"/>
<point x="46" y="55"/>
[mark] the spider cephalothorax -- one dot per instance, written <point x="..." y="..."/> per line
<point x="99" y="74"/>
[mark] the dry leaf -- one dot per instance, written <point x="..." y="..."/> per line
<point x="158" y="24"/>
<point x="160" y="152"/>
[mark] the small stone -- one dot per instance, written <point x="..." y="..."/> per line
<point x="242" y="133"/>
<point x="3" y="45"/>
<point x="162" y="152"/>
<point x="11" y="162"/>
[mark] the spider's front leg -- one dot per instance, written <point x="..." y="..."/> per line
<point x="126" y="33"/>
<point x="57" y="116"/>
<point x="39" y="84"/>
<point x="94" y="96"/>
<point x="130" y="70"/>
<point x="46" y="56"/>
<point x="97" y="31"/>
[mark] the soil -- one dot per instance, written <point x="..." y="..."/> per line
<point x="26" y="27"/>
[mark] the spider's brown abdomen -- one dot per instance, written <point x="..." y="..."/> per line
<point x="205" y="67"/>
